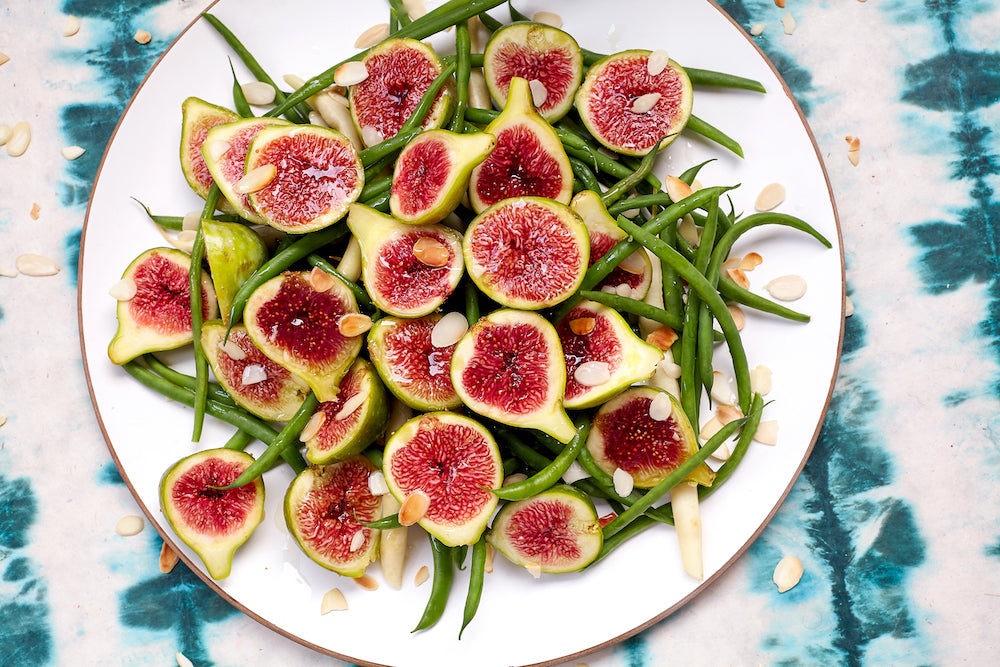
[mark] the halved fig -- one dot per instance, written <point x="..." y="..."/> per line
<point x="509" y="367"/>
<point x="225" y="153"/>
<point x="603" y="355"/>
<point x="644" y="432"/>
<point x="408" y="270"/>
<point x="432" y="174"/>
<point x="324" y="506"/>
<point x="298" y="327"/>
<point x="528" y="160"/>
<point x="555" y="531"/>
<point x="158" y="316"/>
<point x="399" y="72"/>
<point x="527" y="252"/>
<point x="197" y="118"/>
<point x="353" y="419"/>
<point x="317" y="174"/>
<point x="455" y="463"/>
<point x="255" y="382"/>
<point x="234" y="251"/>
<point x="211" y="521"/>
<point x="633" y="276"/>
<point x="415" y="370"/>
<point x="628" y="109"/>
<point x="534" y="52"/>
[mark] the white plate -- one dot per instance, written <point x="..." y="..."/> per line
<point x="521" y="620"/>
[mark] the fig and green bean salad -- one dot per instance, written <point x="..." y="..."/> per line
<point x="449" y="290"/>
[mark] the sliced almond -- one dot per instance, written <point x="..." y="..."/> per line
<point x="787" y="573"/>
<point x="853" y="143"/>
<point x="732" y="263"/>
<point x="216" y="149"/>
<point x="574" y="473"/>
<point x="645" y="103"/>
<point x="31" y="264"/>
<point x="182" y="660"/>
<point x="689" y="231"/>
<point x="739" y="277"/>
<point x="72" y="26"/>
<point x="657" y="62"/>
<point x="728" y="413"/>
<point x="377" y="484"/>
<point x="422" y="575"/>
<point x="5" y="130"/>
<point x="669" y="368"/>
<point x="535" y="569"/>
<point x="676" y="188"/>
<point x="634" y="263"/>
<point x="233" y="350"/>
<point x="351" y="404"/>
<point x="312" y="426"/>
<point x="514" y="478"/>
<point x="317" y="119"/>
<point x="367" y="582"/>
<point x="191" y="221"/>
<point x="130" y="525"/>
<point x="710" y="428"/>
<point x="350" y="73"/>
<point x="333" y="600"/>
<point x="415" y="8"/>
<point x="722" y="392"/>
<point x="767" y="432"/>
<point x="848" y="306"/>
<point x="320" y="280"/>
<point x="20" y="138"/>
<point x="739" y="317"/>
<point x="660" y="408"/>
<point x="592" y="373"/>
<point x="72" y="152"/>
<point x="854" y="157"/>
<point x="4" y="58"/>
<point x="414" y="508"/>
<point x="123" y="290"/>
<point x="760" y="380"/>
<point x="582" y="326"/>
<point x="258" y="93"/>
<point x="548" y="18"/>
<point x="357" y="541"/>
<point x="757" y="29"/>
<point x="354" y="324"/>
<point x="431" y="252"/>
<point x="253" y="374"/>
<point x="371" y="136"/>
<point x="489" y="559"/>
<point x="168" y="558"/>
<point x="624" y="482"/>
<point x="256" y="179"/>
<point x="787" y="288"/>
<point x="372" y="36"/>
<point x="449" y="330"/>
<point x="751" y="261"/>
<point x="142" y="36"/>
<point x="788" y="23"/>
<point x="770" y="197"/>
<point x="663" y="338"/>
<point x="539" y="93"/>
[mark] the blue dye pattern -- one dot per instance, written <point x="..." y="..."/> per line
<point x="636" y="653"/>
<point x="25" y="636"/>
<point x="109" y="474"/>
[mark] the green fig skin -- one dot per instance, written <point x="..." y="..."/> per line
<point x="234" y="251"/>
<point x="197" y="118"/>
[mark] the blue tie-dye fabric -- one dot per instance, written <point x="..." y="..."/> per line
<point x="895" y="516"/>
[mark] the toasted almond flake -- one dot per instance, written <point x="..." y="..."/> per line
<point x="72" y="152"/>
<point x="657" y="62"/>
<point x="780" y="3"/>
<point x="258" y="93"/>
<point x="123" y="290"/>
<point x="350" y="73"/>
<point x="130" y="525"/>
<point x="757" y="29"/>
<point x="787" y="288"/>
<point x="770" y="197"/>
<point x="357" y="541"/>
<point x="592" y="373"/>
<point x="739" y="276"/>
<point x="669" y="368"/>
<point x="31" y="264"/>
<point x="539" y="93"/>
<point x="320" y="280"/>
<point x="256" y="179"/>
<point x="312" y="426"/>
<point x="660" y="407"/>
<point x="787" y="573"/>
<point x="233" y="350"/>
<point x="676" y="188"/>
<point x="760" y="380"/>
<point x="689" y="231"/>
<point x="722" y="452"/>
<point x="535" y="569"/>
<point x="422" y="575"/>
<point x="142" y="36"/>
<point x="645" y="103"/>
<point x="35" y="211"/>
<point x="20" y="138"/>
<point x="191" y="221"/>
<point x="365" y="581"/>
<point x="788" y="23"/>
<point x="3" y="420"/>
<point x="333" y="600"/>
<point x="377" y="484"/>
<point x="574" y="473"/>
<point x="216" y="149"/>
<point x="449" y="330"/>
<point x="767" y="432"/>
<point x="548" y="18"/>
<point x="710" y="428"/>
<point x="414" y="508"/>
<point x="751" y="261"/>
<point x="581" y="326"/>
<point x="848" y="306"/>
<point x="722" y="390"/>
<point x="853" y="143"/>
<point x="854" y="157"/>
<point x="182" y="660"/>
<point x="431" y="252"/>
<point x="732" y="263"/>
<point x="489" y="559"/>
<point x="728" y="413"/>
<point x="72" y="26"/>
<point x="4" y="58"/>
<point x="663" y="338"/>
<point x="354" y="324"/>
<point x="253" y="374"/>
<point x="634" y="263"/>
<point x="352" y="404"/>
<point x="168" y="558"/>
<point x="739" y="318"/>
<point x="372" y="36"/>
<point x="624" y="483"/>
<point x="514" y="478"/>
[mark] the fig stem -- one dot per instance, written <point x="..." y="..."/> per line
<point x="550" y="474"/>
<point x="712" y="133"/>
<point x="444" y="575"/>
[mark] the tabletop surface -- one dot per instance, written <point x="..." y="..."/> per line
<point x="895" y="517"/>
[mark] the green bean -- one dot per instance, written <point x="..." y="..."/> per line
<point x="692" y="173"/>
<point x="477" y="576"/>
<point x="432" y="22"/>
<point x="489" y="22"/>
<point x="215" y="391"/>
<point x="385" y="523"/>
<point x="616" y="191"/>
<point x="549" y="475"/>
<point x="725" y="244"/>
<point x="636" y="526"/>
<point x="463" y="69"/>
<point x="747" y="432"/>
<point x="239" y="98"/>
<point x="458" y="554"/>
<point x="360" y="295"/>
<point x="705" y="341"/>
<point x="635" y="307"/>
<point x="376" y="188"/>
<point x="516" y="15"/>
<point x="471" y="302"/>
<point x="393" y="22"/>
<point x="671" y="285"/>
<point x="690" y="379"/>
<point x="198" y="313"/>
<point x="239" y="440"/>
<point x="730" y="290"/>
<point x="705" y="77"/>
<point x="444" y="575"/>
<point x="712" y="133"/>
<point x="374" y="454"/>
<point x="401" y="14"/>
<point x="640" y="201"/>
<point x="586" y="175"/>
<point x="176" y="222"/>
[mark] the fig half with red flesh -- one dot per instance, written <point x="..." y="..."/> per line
<point x="509" y="367"/>
<point x="644" y="432"/>
<point x="603" y="355"/>
<point x="414" y="370"/>
<point x="628" y="109"/>
<point x="528" y="160"/>
<point x="353" y="419"/>
<point x="408" y="270"/>
<point x="197" y="118"/>
<point x="317" y="174"/>
<point x="225" y="153"/>
<point x="455" y="462"/>
<point x="255" y="382"/>
<point x="554" y="531"/>
<point x="527" y="252"/>
<point x="634" y="274"/>
<point x="324" y="507"/>
<point x="534" y="52"/>
<point x="298" y="327"/>
<point x="400" y="71"/>
<point x="213" y="522"/>
<point x="158" y="316"/>
<point x="432" y="174"/>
